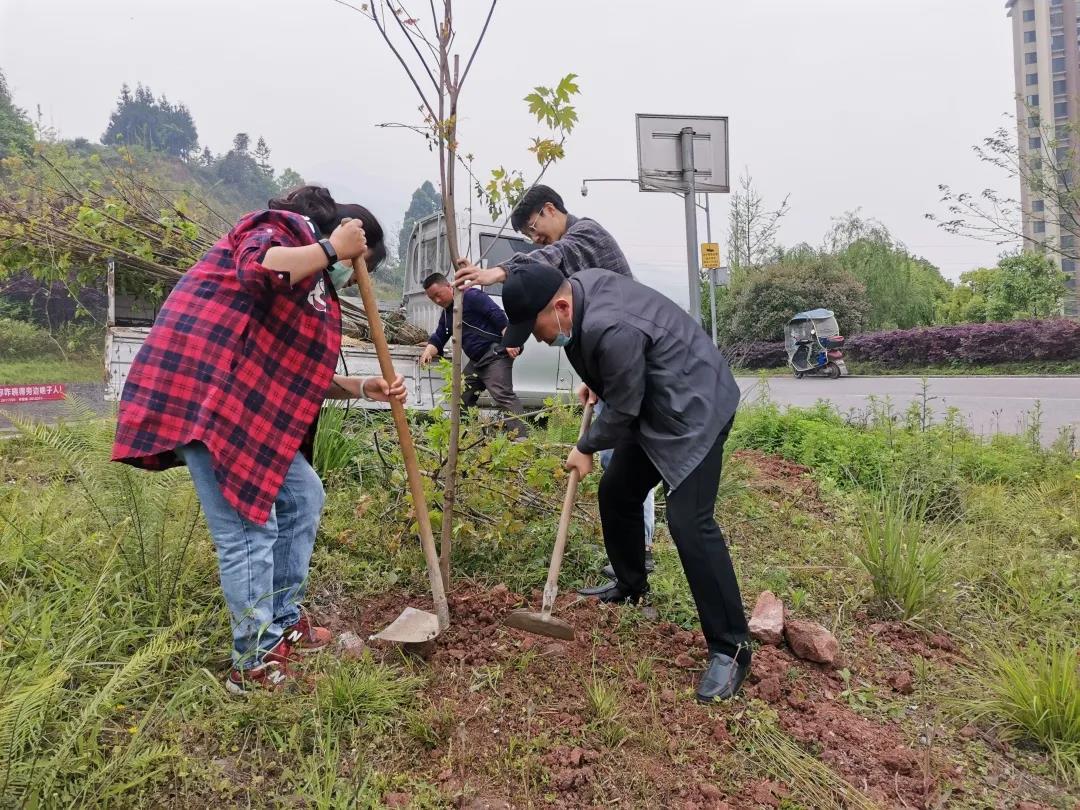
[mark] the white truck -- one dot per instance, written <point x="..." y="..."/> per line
<point x="539" y="372"/>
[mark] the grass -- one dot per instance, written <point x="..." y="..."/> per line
<point x="812" y="783"/>
<point x="1032" y="692"/>
<point x="51" y="370"/>
<point x="366" y="693"/>
<point x="602" y="704"/>
<point x="116" y="636"/>
<point x="906" y="565"/>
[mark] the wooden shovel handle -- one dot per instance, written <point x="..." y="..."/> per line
<point x="551" y="588"/>
<point x="408" y="449"/>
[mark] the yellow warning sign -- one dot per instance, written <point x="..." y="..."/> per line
<point x="710" y="255"/>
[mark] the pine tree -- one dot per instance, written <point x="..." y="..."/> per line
<point x="262" y="157"/>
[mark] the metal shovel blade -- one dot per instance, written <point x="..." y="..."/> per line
<point x="543" y="624"/>
<point x="411" y="627"/>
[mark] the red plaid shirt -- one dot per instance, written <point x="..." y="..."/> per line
<point x="238" y="359"/>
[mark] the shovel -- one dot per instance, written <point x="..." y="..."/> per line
<point x="412" y="626"/>
<point x="543" y="623"/>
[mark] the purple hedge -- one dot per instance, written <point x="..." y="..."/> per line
<point x="970" y="344"/>
<point x="1057" y="339"/>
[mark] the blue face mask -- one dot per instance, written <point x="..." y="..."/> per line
<point x="560" y="339"/>
<point x="341" y="275"/>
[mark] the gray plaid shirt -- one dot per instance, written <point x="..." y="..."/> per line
<point x="585" y="244"/>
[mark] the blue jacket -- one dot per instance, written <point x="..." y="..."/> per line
<point x="482" y="323"/>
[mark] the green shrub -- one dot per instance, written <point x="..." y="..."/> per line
<point x="20" y="340"/>
<point x="905" y="565"/>
<point x="335" y="449"/>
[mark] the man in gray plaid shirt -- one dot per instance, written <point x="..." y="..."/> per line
<point x="570" y="244"/>
<point x="567" y="242"/>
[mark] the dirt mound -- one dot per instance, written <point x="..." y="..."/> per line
<point x="651" y="744"/>
<point x="779" y="478"/>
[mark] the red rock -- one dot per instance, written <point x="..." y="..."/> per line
<point x="350" y="645"/>
<point x="901" y="760"/>
<point x="767" y="620"/>
<point x="575" y="757"/>
<point x="480" y="803"/>
<point x="811" y="642"/>
<point x="684" y="661"/>
<point x="555" y="650"/>
<point x="902" y="682"/>
<point x="500" y="590"/>
<point x="765" y="793"/>
<point x="710" y="792"/>
<point x="397" y="799"/>
<point x="940" y="641"/>
<point x="769" y="690"/>
<point x="720" y="733"/>
<point x="667" y="696"/>
<point x="969" y="732"/>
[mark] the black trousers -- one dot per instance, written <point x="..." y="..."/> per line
<point x="494" y="372"/>
<point x="690" y="515"/>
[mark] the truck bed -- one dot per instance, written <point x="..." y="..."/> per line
<point x="424" y="384"/>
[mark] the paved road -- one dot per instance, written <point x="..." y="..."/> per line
<point x="987" y="404"/>
<point x="92" y="394"/>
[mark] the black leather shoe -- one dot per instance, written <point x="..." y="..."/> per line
<point x="620" y="594"/>
<point x="650" y="566"/>
<point x="722" y="679"/>
<point x="598" y="590"/>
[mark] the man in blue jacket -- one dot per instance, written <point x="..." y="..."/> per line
<point x="490" y="366"/>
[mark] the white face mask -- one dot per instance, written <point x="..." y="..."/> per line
<point x="341" y="275"/>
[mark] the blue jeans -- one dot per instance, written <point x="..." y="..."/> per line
<point x="263" y="568"/>
<point x="650" y="499"/>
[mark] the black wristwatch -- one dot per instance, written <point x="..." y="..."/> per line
<point x="328" y="249"/>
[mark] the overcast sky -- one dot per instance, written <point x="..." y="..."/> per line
<point x="842" y="104"/>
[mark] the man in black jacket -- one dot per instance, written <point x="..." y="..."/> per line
<point x="670" y="402"/>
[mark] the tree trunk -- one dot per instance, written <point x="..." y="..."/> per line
<point x="447" y="166"/>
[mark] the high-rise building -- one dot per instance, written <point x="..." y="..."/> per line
<point x="1046" y="58"/>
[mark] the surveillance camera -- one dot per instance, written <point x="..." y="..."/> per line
<point x="584" y="190"/>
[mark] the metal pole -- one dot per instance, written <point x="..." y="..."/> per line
<point x="686" y="139"/>
<point x="712" y="273"/>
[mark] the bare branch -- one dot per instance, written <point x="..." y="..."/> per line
<point x="416" y="50"/>
<point x="357" y="9"/>
<point x="479" y="40"/>
<point x="408" y="71"/>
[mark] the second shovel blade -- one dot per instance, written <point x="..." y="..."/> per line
<point x="411" y="627"/>
<point x="541" y="624"/>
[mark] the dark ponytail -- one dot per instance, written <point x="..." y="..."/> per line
<point x="315" y="203"/>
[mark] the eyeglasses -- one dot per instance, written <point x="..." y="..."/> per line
<point x="530" y="227"/>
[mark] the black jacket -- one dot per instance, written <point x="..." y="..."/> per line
<point x="662" y="380"/>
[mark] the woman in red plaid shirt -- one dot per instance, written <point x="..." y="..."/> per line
<point x="230" y="381"/>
